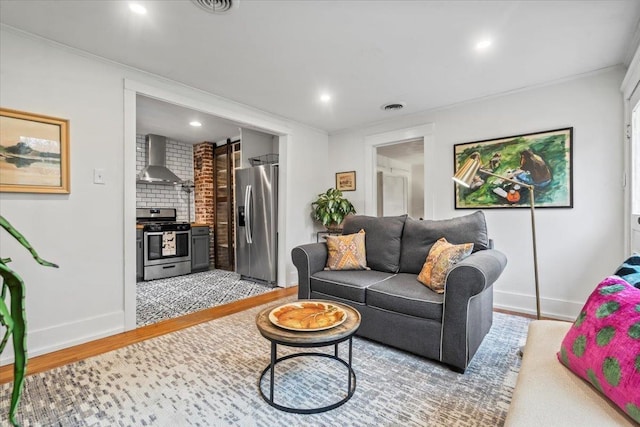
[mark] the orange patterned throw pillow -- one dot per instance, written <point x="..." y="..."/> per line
<point x="442" y="257"/>
<point x="346" y="252"/>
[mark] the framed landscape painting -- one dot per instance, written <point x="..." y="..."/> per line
<point x="542" y="159"/>
<point x="34" y="153"/>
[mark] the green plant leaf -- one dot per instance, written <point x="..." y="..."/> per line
<point x="331" y="207"/>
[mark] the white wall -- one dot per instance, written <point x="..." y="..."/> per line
<point x="84" y="231"/>
<point x="576" y="247"/>
<point x="255" y="144"/>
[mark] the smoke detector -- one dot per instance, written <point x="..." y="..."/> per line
<point x="393" y="106"/>
<point x="216" y="6"/>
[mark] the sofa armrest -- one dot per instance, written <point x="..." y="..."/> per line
<point x="474" y="274"/>
<point x="468" y="305"/>
<point x="308" y="259"/>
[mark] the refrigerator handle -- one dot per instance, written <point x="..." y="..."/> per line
<point x="248" y="213"/>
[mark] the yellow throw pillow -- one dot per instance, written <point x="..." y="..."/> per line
<point x="346" y="252"/>
<point x="442" y="257"/>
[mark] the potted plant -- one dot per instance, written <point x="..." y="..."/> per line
<point x="330" y="208"/>
<point x="15" y="320"/>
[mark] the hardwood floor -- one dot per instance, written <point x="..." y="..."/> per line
<point x="93" y="348"/>
<point x="516" y="313"/>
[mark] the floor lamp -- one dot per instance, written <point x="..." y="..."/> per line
<point x="465" y="176"/>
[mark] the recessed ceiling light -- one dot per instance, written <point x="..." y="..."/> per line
<point x="325" y="97"/>
<point x="483" y="44"/>
<point x="195" y="124"/>
<point x="137" y="8"/>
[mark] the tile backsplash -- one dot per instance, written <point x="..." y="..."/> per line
<point x="180" y="162"/>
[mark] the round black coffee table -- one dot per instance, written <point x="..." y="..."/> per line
<point x="306" y="339"/>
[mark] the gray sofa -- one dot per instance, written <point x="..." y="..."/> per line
<point x="396" y="309"/>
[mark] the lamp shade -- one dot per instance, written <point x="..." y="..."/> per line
<point x="468" y="170"/>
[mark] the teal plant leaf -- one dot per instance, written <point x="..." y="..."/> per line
<point x="15" y="318"/>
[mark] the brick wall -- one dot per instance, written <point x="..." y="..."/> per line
<point x="203" y="180"/>
<point x="180" y="162"/>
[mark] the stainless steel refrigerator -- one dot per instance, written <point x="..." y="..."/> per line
<point x="256" y="218"/>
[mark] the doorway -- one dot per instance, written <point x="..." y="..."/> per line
<point x="400" y="178"/>
<point x="205" y="159"/>
<point x="634" y="176"/>
<point x="373" y="143"/>
<point x="210" y="105"/>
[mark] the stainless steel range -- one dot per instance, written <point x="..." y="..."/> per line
<point x="166" y="245"/>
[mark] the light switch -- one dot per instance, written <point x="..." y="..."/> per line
<point x="98" y="176"/>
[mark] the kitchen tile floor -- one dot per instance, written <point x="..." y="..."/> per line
<point x="163" y="299"/>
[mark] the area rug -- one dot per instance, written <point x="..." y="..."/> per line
<point x="163" y="299"/>
<point x="207" y="376"/>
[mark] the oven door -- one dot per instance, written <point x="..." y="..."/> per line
<point x="153" y="248"/>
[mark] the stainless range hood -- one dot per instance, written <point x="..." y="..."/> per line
<point x="156" y="171"/>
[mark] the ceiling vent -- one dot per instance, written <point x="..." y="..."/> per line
<point x="216" y="6"/>
<point x="393" y="106"/>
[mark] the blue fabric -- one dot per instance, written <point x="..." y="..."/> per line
<point x="629" y="271"/>
<point x="525" y="177"/>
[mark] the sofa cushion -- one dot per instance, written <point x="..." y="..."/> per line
<point x="347" y="284"/>
<point x="603" y="345"/>
<point x="404" y="294"/>
<point x="346" y="252"/>
<point x="442" y="257"/>
<point x="418" y="237"/>
<point x="382" y="240"/>
<point x="630" y="270"/>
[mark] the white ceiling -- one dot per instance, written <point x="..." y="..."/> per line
<point x="172" y="121"/>
<point x="279" y="55"/>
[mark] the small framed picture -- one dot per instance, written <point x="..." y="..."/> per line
<point x="34" y="153"/>
<point x="346" y="181"/>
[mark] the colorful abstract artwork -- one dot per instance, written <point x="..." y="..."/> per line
<point x="542" y="159"/>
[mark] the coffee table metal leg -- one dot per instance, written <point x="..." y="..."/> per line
<point x="336" y="350"/>
<point x="271" y="367"/>
<point x="350" y="369"/>
<point x="274" y="356"/>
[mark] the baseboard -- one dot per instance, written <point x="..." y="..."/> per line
<point x="549" y="308"/>
<point x="46" y="340"/>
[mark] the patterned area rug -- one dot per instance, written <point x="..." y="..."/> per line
<point x="163" y="299"/>
<point x="207" y="376"/>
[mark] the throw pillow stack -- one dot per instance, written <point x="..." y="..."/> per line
<point x="630" y="270"/>
<point x="603" y="345"/>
